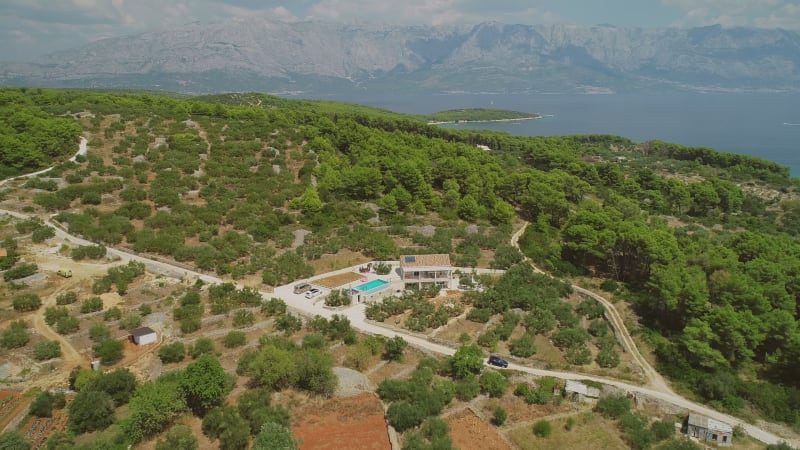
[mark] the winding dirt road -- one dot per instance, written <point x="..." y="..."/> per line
<point x="654" y="379"/>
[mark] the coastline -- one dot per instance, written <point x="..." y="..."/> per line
<point x="517" y="119"/>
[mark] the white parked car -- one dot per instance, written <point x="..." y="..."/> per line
<point x="313" y="292"/>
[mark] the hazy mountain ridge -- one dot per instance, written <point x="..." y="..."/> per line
<point x="260" y="54"/>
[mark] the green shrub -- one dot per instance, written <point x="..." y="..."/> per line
<point x="614" y="406"/>
<point x="15" y="336"/>
<point x="579" y="355"/>
<point x="39" y="183"/>
<point x="42" y="405"/>
<point x="591" y="308"/>
<point x="382" y="268"/>
<point x="273" y="307"/>
<point x="662" y="429"/>
<point x="42" y="351"/>
<point x="403" y="415"/>
<point x="190" y="325"/>
<point x="98" y="332"/>
<point x="91" y="304"/>
<point x="113" y="313"/>
<point x="130" y="322"/>
<point x="467" y="388"/>
<point x="288" y="324"/>
<point x="88" y="252"/>
<point x="26" y="302"/>
<point x="609" y="286"/>
<point x="542" y="429"/>
<point x="90" y="411"/>
<point x="608" y="358"/>
<point x="41" y="234"/>
<point x="566" y="338"/>
<point x="53" y="313"/>
<point x="523" y="347"/>
<point x="179" y="437"/>
<point x="394" y="348"/>
<point x="90" y="198"/>
<point x="67" y="325"/>
<point x="109" y="350"/>
<point x="234" y="339"/>
<point x="67" y="298"/>
<point x="201" y="346"/>
<point x="480" y="315"/>
<point x="500" y="416"/>
<point x="494" y="383"/>
<point x="172" y="353"/>
<point x="337" y="298"/>
<point x="243" y="318"/>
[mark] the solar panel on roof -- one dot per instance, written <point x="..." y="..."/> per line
<point x="411" y="259"/>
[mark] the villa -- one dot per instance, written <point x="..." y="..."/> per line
<point x="422" y="271"/>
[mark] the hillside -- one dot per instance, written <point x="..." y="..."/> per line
<point x="697" y="248"/>
<point x="257" y="54"/>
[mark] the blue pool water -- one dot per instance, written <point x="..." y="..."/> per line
<point x="372" y="286"/>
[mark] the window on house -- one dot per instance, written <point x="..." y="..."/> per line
<point x="713" y="437"/>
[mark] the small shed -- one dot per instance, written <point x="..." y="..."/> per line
<point x="3" y="253"/>
<point x="575" y="390"/>
<point x="143" y="336"/>
<point x="706" y="429"/>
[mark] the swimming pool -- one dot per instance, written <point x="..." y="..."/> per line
<point x="371" y="287"/>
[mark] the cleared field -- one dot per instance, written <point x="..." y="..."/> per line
<point x="343" y="423"/>
<point x="334" y="281"/>
<point x="469" y="432"/>
<point x="37" y="430"/>
<point x="11" y="404"/>
<point x="589" y="432"/>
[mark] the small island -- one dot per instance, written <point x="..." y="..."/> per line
<point x="478" y="115"/>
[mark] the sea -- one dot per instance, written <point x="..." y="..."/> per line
<point x="766" y="125"/>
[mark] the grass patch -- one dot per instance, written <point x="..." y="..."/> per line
<point x="592" y="428"/>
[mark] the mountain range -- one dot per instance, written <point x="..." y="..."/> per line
<point x="257" y="54"/>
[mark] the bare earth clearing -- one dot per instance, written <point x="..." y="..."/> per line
<point x="343" y="423"/>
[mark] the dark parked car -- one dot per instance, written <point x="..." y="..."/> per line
<point x="498" y="361"/>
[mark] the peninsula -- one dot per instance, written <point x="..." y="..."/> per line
<point x="478" y="115"/>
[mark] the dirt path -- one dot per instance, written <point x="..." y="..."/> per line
<point x="81" y="151"/>
<point x="654" y="379"/>
<point x="69" y="355"/>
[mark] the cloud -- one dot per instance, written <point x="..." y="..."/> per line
<point x="34" y="27"/>
<point x="731" y="13"/>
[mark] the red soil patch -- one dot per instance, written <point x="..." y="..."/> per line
<point x="339" y="423"/>
<point x="38" y="430"/>
<point x="469" y="432"/>
<point x="12" y="403"/>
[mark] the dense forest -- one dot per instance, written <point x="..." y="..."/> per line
<point x="703" y="244"/>
<point x="30" y="138"/>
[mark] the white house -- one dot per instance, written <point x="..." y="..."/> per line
<point x="143" y="336"/>
<point x="421" y="271"/>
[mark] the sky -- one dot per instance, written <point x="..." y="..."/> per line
<point x="33" y="28"/>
